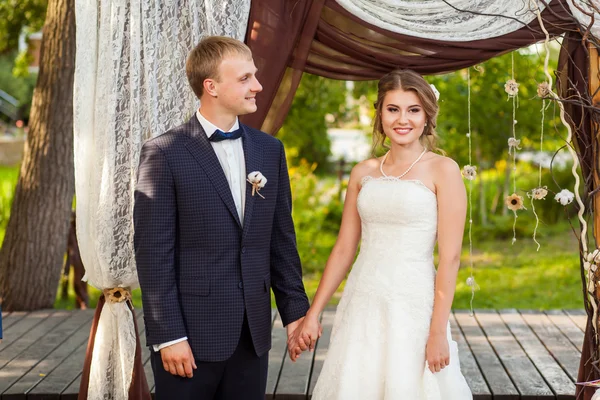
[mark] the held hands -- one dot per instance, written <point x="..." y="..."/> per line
<point x="178" y="359"/>
<point x="437" y="352"/>
<point x="303" y="335"/>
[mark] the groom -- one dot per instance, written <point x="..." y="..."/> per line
<point x="210" y="242"/>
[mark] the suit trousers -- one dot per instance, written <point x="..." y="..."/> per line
<point x="241" y="377"/>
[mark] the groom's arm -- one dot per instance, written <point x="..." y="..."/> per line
<point x="286" y="270"/>
<point x="154" y="218"/>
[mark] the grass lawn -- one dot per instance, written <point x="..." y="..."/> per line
<point x="509" y="276"/>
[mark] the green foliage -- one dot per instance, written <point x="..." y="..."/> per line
<point x="17" y="14"/>
<point x="305" y="128"/>
<point x="20" y="88"/>
<point x="491" y="112"/>
<point x="316" y="210"/>
<point x="8" y="181"/>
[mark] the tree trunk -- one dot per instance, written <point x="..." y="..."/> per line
<point x="31" y="257"/>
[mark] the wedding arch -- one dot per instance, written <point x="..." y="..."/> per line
<point x="130" y="85"/>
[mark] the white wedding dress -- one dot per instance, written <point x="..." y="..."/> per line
<point x="380" y="331"/>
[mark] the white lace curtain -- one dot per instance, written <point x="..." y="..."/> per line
<point x="130" y="84"/>
<point x="449" y="20"/>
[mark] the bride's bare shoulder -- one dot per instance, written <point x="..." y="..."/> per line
<point x="444" y="166"/>
<point x="365" y="168"/>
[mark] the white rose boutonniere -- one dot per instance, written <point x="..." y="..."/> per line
<point x="258" y="181"/>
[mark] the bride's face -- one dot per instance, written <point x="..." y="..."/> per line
<point x="402" y="116"/>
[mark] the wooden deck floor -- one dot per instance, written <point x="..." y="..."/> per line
<point x="507" y="354"/>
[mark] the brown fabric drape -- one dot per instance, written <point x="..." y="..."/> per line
<point x="139" y="385"/>
<point x="321" y="38"/>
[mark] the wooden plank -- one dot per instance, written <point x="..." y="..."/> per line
<point x="557" y="344"/>
<point x="294" y="378"/>
<point x="554" y="375"/>
<point x="39" y="325"/>
<point x="519" y="367"/>
<point x="276" y="356"/>
<point x="21" y="327"/>
<point x="62" y="377"/>
<point x="10" y="319"/>
<point x="499" y="382"/>
<point x="517" y="364"/>
<point x="33" y="364"/>
<point x="72" y="391"/>
<point x="579" y="317"/>
<point x="567" y="327"/>
<point x="468" y="365"/>
<point x="321" y="350"/>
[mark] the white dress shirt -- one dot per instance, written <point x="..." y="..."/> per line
<point x="230" y="154"/>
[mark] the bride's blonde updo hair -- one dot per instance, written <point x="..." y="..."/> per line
<point x="406" y="80"/>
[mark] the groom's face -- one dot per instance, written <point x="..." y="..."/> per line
<point x="237" y="85"/>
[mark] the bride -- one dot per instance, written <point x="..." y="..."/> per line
<point x="391" y="336"/>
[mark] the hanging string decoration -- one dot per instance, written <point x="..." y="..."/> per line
<point x="469" y="172"/>
<point x="514" y="202"/>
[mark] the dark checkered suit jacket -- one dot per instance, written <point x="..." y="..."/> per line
<point x="198" y="269"/>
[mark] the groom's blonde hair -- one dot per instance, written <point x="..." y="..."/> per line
<point x="204" y="60"/>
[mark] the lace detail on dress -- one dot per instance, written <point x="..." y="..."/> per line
<point x="381" y="326"/>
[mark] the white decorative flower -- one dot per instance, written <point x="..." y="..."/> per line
<point x="564" y="197"/>
<point x="538" y="193"/>
<point x="469" y="172"/>
<point x="435" y="91"/>
<point x="258" y="181"/>
<point x="471" y="281"/>
<point x="511" y="87"/>
<point x="513" y="144"/>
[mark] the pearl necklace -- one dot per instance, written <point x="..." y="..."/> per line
<point x="405" y="172"/>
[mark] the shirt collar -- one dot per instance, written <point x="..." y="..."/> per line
<point x="210" y="128"/>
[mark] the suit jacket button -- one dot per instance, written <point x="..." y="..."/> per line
<point x="241" y="285"/>
<point x="243" y="250"/>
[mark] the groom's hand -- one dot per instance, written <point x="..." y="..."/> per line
<point x="293" y="348"/>
<point x="178" y="359"/>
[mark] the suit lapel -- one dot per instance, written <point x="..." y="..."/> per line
<point x="202" y="150"/>
<point x="253" y="157"/>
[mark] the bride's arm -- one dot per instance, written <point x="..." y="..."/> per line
<point x="336" y="268"/>
<point x="452" y="209"/>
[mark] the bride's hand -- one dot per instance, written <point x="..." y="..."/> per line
<point x="437" y="352"/>
<point x="304" y="337"/>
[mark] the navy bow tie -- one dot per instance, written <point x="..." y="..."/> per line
<point x="220" y="135"/>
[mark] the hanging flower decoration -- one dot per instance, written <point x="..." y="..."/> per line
<point x="469" y="172"/>
<point x="543" y="90"/>
<point x="538" y="193"/>
<point x="513" y="145"/>
<point x="564" y="197"/>
<point x="511" y="87"/>
<point x="514" y="202"/>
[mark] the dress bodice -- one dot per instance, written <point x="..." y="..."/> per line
<point x="398" y="215"/>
